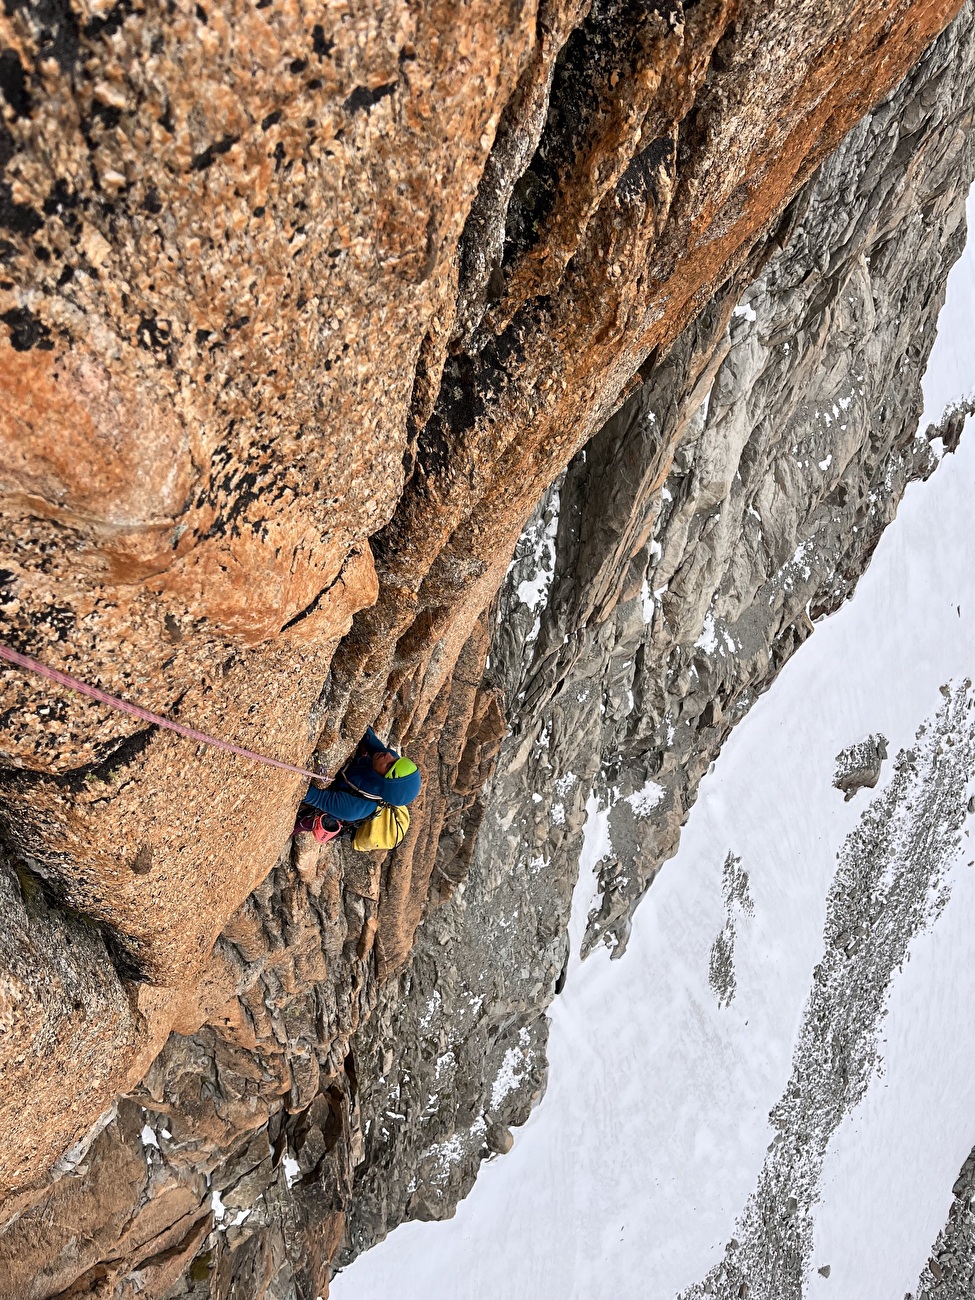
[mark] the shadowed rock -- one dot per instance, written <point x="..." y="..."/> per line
<point x="301" y="320"/>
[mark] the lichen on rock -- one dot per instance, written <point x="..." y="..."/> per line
<point x="304" y="313"/>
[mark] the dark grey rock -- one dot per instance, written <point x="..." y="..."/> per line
<point x="499" y="1139"/>
<point x="858" y="767"/>
<point x="950" y="1271"/>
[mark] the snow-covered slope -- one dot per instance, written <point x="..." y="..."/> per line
<point x="646" y="1170"/>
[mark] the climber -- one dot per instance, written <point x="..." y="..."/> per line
<point x="374" y="776"/>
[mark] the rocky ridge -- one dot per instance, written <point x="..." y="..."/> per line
<point x="950" y="1270"/>
<point x="169" y="451"/>
<point x="889" y="884"/>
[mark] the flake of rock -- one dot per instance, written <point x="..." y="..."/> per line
<point x="858" y="767"/>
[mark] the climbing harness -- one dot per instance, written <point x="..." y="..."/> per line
<point x="72" y="683"/>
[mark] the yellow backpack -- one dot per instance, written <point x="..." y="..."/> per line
<point x="384" y="830"/>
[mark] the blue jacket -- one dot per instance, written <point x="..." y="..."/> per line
<point x="342" y="799"/>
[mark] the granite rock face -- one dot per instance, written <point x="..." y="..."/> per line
<point x="309" y="317"/>
<point x="650" y="601"/>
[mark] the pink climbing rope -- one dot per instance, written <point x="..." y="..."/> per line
<point x="72" y="683"/>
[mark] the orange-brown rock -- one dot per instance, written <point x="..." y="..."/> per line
<point x="302" y="310"/>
